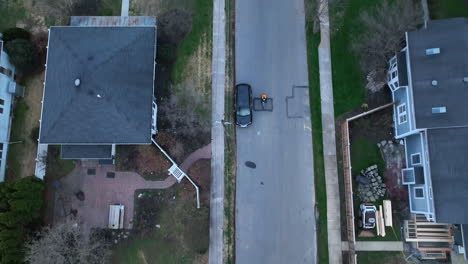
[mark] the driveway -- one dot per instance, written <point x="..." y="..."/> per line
<point x="275" y="218"/>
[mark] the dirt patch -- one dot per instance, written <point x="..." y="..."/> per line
<point x="374" y="127"/>
<point x="200" y="173"/>
<point x="145" y="160"/>
<point x="396" y="190"/>
<point x="33" y="99"/>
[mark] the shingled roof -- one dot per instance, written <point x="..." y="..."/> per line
<point x="447" y="69"/>
<point x="112" y="103"/>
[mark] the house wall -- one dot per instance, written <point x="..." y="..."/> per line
<point x="6" y="107"/>
<point x="401" y="95"/>
<point x="416" y="144"/>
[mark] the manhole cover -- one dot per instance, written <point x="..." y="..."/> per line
<point x="250" y="164"/>
<point x="111" y="175"/>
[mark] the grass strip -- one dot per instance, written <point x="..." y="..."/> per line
<point x="313" y="41"/>
<point x="202" y="21"/>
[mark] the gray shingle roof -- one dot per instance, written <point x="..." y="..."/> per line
<point x="86" y="152"/>
<point x="113" y="102"/>
<point x="448" y="152"/>
<point x="448" y="68"/>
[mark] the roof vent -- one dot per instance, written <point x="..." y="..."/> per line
<point x="98" y="96"/>
<point x="434" y="82"/>
<point x="439" y="110"/>
<point x="465" y="79"/>
<point x="77" y="82"/>
<point x="432" y="51"/>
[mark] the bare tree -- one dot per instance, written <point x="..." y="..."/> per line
<point x="316" y="8"/>
<point x="57" y="12"/>
<point x="383" y="33"/>
<point x="66" y="243"/>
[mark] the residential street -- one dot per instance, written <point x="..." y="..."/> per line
<point x="275" y="218"/>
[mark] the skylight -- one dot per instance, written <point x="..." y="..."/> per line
<point x="439" y="110"/>
<point x="432" y="51"/>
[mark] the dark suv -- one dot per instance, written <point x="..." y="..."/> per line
<point x="243" y="105"/>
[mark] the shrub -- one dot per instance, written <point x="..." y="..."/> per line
<point x="15" y="33"/>
<point x="23" y="55"/>
<point x="20" y="211"/>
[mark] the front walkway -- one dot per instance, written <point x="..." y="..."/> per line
<point x="375" y="245"/>
<point x="329" y="144"/>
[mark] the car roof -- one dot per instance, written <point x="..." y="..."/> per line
<point x="243" y="94"/>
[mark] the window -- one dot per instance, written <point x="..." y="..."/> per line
<point x="1" y="110"/>
<point x="416" y="159"/>
<point x="393" y="63"/>
<point x="419" y="192"/>
<point x="6" y="71"/>
<point x="2" y="102"/>
<point x="402" y="117"/>
<point x="439" y="110"/>
<point x="394" y="74"/>
<point x="408" y="176"/>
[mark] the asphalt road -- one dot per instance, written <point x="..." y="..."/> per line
<point x="275" y="218"/>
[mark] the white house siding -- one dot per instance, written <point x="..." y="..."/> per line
<point x="5" y="116"/>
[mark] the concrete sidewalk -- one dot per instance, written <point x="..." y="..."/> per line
<point x="217" y="133"/>
<point x="376" y="245"/>
<point x="329" y="144"/>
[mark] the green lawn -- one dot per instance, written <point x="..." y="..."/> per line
<point x="183" y="234"/>
<point x="368" y="257"/>
<point x="348" y="79"/>
<point x="391" y="234"/>
<point x="151" y="250"/>
<point x="110" y="7"/>
<point x="11" y="11"/>
<point x="201" y="24"/>
<point x="313" y="40"/>
<point x="365" y="154"/>
<point x="439" y="9"/>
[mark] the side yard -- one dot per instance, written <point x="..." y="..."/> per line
<point x="351" y="97"/>
<point x="168" y="227"/>
<point x="439" y="9"/>
<point x="25" y="130"/>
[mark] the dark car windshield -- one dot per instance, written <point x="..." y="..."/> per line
<point x="243" y="111"/>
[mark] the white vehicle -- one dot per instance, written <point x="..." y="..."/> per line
<point x="367" y="213"/>
<point x="116" y="216"/>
